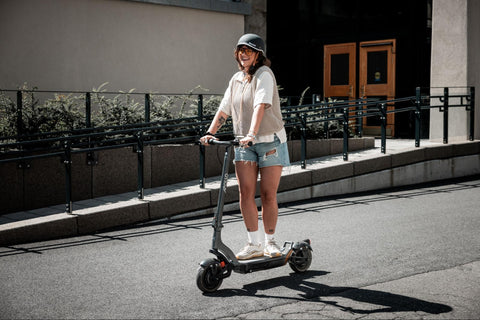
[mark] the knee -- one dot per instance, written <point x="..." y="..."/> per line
<point x="269" y="198"/>
<point x="247" y="193"/>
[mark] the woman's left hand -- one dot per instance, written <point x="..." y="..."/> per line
<point x="244" y="142"/>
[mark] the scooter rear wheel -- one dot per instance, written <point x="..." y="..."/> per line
<point x="209" y="276"/>
<point x="301" y="259"/>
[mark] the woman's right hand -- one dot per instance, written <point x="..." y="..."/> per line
<point x="204" y="140"/>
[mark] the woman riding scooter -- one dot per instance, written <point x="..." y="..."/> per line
<point x="253" y="102"/>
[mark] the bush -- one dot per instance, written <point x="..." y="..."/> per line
<point x="62" y="113"/>
<point x="8" y="116"/>
<point x="119" y="110"/>
<point x="66" y="112"/>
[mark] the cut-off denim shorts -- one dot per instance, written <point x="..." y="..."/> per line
<point x="265" y="154"/>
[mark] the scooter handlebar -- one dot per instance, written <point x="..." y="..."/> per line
<point x="227" y="143"/>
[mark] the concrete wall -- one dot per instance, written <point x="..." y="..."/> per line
<point x="256" y="22"/>
<point x="146" y="45"/>
<point x="473" y="71"/>
<point x="455" y="62"/>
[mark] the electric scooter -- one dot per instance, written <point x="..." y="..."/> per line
<point x="212" y="271"/>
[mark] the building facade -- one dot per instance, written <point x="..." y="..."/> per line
<point x="151" y="45"/>
<point x="173" y="46"/>
<point x="455" y="62"/>
<point x="352" y="49"/>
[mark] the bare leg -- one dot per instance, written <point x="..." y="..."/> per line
<point x="247" y="173"/>
<point x="270" y="179"/>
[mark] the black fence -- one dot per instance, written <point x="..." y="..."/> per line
<point x="314" y="120"/>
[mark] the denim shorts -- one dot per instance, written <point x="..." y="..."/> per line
<point x="265" y="154"/>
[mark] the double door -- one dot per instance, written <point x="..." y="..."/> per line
<point x="375" y="77"/>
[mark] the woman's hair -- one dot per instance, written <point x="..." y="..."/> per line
<point x="260" y="61"/>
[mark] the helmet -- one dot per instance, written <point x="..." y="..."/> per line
<point x="253" y="41"/>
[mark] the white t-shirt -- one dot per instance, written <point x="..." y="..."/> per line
<point x="263" y="94"/>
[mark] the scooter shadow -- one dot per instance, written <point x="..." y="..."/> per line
<point x="337" y="296"/>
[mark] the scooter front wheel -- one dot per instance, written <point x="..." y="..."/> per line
<point x="209" y="275"/>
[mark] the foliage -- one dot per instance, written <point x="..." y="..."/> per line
<point x="317" y="125"/>
<point x="62" y="113"/>
<point x="8" y="116"/>
<point x="66" y="112"/>
<point x="118" y="110"/>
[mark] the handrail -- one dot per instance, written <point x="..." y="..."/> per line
<point x="187" y="130"/>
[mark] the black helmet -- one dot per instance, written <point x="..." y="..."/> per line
<point x="253" y="41"/>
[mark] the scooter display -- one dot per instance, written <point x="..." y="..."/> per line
<point x="212" y="271"/>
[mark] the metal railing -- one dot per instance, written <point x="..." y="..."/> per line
<point x="298" y="119"/>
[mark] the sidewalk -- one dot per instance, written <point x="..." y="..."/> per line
<point x="366" y="170"/>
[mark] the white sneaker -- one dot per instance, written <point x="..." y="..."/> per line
<point x="271" y="249"/>
<point x="250" y="251"/>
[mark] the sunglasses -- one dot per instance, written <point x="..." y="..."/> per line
<point x="246" y="50"/>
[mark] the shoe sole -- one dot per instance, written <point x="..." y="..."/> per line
<point x="258" y="255"/>
<point x="272" y="255"/>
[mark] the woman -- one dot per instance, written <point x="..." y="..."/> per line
<point x="252" y="101"/>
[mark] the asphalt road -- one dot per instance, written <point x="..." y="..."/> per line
<point x="364" y="245"/>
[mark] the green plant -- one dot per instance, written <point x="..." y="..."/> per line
<point x="62" y="113"/>
<point x="8" y="116"/>
<point x="160" y="107"/>
<point x="317" y="126"/>
<point x="119" y="110"/>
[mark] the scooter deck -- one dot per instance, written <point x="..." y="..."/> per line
<point x="261" y="263"/>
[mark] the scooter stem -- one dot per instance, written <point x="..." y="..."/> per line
<point x="217" y="220"/>
<point x="217" y="244"/>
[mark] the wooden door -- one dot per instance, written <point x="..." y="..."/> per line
<point x="340" y="71"/>
<point x="377" y="79"/>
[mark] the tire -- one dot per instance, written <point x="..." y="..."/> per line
<point x="209" y="276"/>
<point x="301" y="259"/>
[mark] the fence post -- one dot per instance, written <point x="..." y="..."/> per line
<point x="471" y="135"/>
<point x="67" y="161"/>
<point x="147" y="107"/>
<point x="445" y="115"/>
<point x="201" y="147"/>
<point x="326" y="131"/>
<point x="383" y="118"/>
<point x="418" y="98"/>
<point x="88" y="110"/>
<point x="345" y="134"/>
<point x="19" y="113"/>
<point x="303" y="139"/>
<point x="88" y="124"/>
<point x="140" y="177"/>
<point x="360" y="118"/>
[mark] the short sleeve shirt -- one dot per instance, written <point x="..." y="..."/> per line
<point x="241" y="98"/>
<point x="263" y="93"/>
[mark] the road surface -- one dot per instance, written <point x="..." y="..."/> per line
<point x="411" y="252"/>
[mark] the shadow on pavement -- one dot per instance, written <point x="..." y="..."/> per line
<point x="348" y="299"/>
